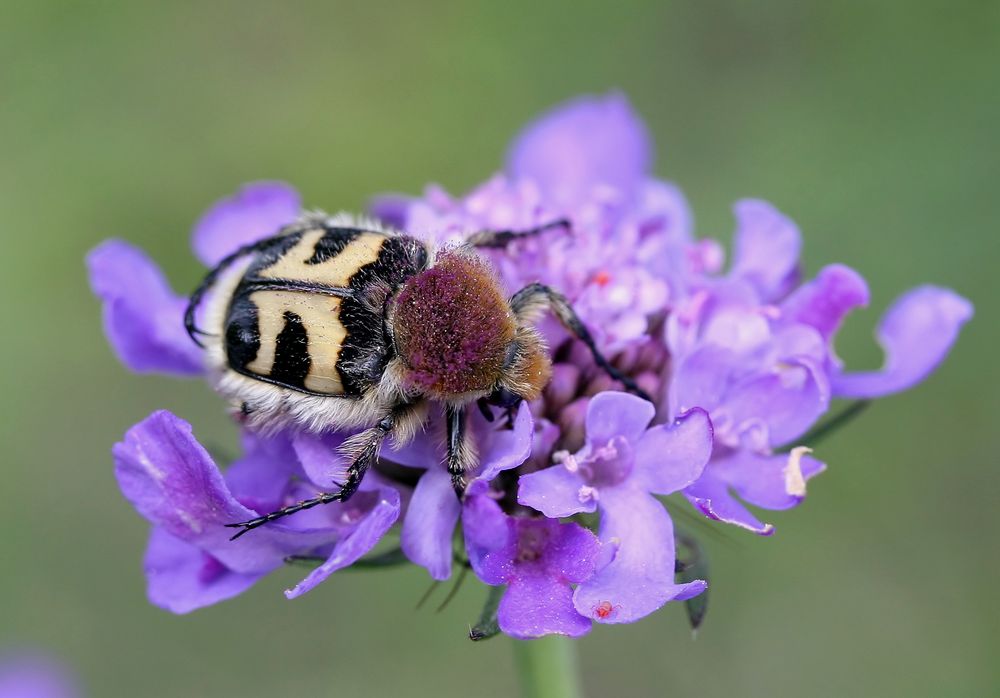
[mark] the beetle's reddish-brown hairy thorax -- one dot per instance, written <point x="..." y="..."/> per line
<point x="453" y="326"/>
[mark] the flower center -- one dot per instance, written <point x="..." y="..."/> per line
<point x="604" y="466"/>
<point x="532" y="541"/>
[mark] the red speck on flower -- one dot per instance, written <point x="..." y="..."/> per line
<point x="602" y="278"/>
<point x="603" y="610"/>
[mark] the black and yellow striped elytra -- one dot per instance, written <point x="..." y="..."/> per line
<point x="307" y="313"/>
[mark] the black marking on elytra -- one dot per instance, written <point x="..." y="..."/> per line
<point x="291" y="352"/>
<point x="332" y="243"/>
<point x="366" y="349"/>
<point x="242" y="333"/>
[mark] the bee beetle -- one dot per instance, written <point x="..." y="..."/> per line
<point x="340" y="323"/>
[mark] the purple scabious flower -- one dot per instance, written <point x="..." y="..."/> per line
<point x="34" y="676"/>
<point x="562" y="509"/>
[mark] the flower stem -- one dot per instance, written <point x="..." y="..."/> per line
<point x="547" y="668"/>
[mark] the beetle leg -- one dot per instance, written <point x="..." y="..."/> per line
<point x="461" y="450"/>
<point x="364" y="448"/>
<point x="502" y="238"/>
<point x="535" y="298"/>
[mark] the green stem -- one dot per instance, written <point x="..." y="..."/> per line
<point x="547" y="668"/>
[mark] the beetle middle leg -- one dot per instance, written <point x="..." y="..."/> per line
<point x="461" y="449"/>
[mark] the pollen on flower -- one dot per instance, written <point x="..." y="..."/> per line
<point x="567" y="459"/>
<point x="793" y="376"/>
<point x="587" y="494"/>
<point x="795" y="483"/>
<point x="607" y="452"/>
<point x="771" y="312"/>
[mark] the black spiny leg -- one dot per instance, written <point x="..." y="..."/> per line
<point x="461" y="456"/>
<point x="536" y="297"/>
<point x="502" y="238"/>
<point x="364" y="448"/>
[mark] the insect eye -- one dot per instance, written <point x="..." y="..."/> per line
<point x="501" y="397"/>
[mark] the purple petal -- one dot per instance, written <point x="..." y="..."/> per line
<point x="701" y="379"/>
<point x="916" y="333"/>
<point x="501" y="448"/>
<point x="612" y="414"/>
<point x="690" y="590"/>
<point x="556" y="492"/>
<point x="668" y="459"/>
<point x="173" y="482"/>
<point x="587" y="143"/>
<point x="572" y="551"/>
<point x="364" y="535"/>
<point x="766" y="248"/>
<point x="772" y="482"/>
<point x="483" y="522"/>
<point x="256" y="211"/>
<point x="260" y="478"/>
<point x="711" y="496"/>
<point x="490" y="539"/>
<point x="640" y="578"/>
<point x="181" y="578"/>
<point x="737" y="329"/>
<point x="665" y="214"/>
<point x="143" y="319"/>
<point x="787" y="401"/>
<point x="429" y="523"/>
<point x="321" y="458"/>
<point x="535" y="605"/>
<point x="426" y="450"/>
<point x="825" y="301"/>
<point x="392" y="209"/>
<point x="24" y="675"/>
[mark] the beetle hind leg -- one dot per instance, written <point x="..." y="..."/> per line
<point x="363" y="449"/>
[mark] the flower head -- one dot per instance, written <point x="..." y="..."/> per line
<point x="739" y="362"/>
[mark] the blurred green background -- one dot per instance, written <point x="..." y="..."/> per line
<point x="873" y="124"/>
